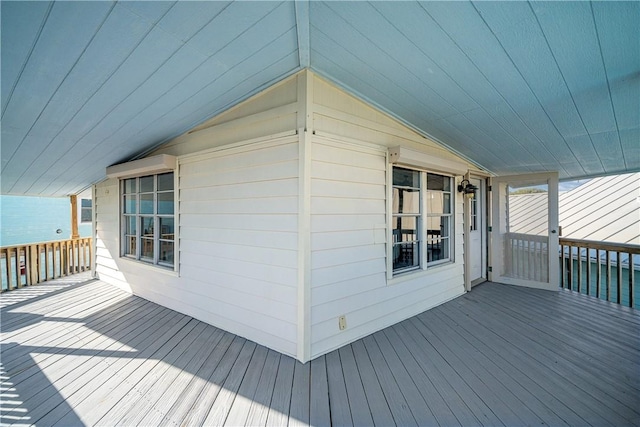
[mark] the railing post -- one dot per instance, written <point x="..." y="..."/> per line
<point x="579" y="263"/>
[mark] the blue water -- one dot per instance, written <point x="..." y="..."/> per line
<point x="25" y="219"/>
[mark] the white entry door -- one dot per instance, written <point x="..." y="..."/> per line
<point x="477" y="234"/>
<point x="524" y="236"/>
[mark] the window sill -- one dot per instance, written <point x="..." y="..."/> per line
<point x="150" y="267"/>
<point x="417" y="274"/>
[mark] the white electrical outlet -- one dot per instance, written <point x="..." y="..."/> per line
<point x="342" y="322"/>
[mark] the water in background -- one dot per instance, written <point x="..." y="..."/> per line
<point x="36" y="219"/>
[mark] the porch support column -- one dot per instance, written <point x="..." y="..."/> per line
<point x="74" y="217"/>
<point x="305" y="96"/>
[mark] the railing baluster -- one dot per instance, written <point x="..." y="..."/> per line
<point x="631" y="274"/>
<point x="619" y="271"/>
<point x="598" y="273"/>
<point x="571" y="267"/>
<point x="588" y="266"/>
<point x="608" y="276"/>
<point x="579" y="265"/>
<point x="44" y="261"/>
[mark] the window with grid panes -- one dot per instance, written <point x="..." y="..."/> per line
<point x="148" y="219"/>
<point x="421" y="219"/>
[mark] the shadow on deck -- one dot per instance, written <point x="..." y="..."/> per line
<point x="92" y="355"/>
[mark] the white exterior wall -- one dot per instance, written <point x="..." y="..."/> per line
<point x="350" y="178"/>
<point x="237" y="224"/>
<point x="283" y="223"/>
<point x="349" y="250"/>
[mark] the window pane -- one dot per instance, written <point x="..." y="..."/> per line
<point x="130" y="245"/>
<point x="147" y="249"/>
<point x="438" y="203"/>
<point x="406" y="201"/>
<point x="85" y="215"/>
<point x="165" y="203"/>
<point x="406" y="255"/>
<point x="130" y="185"/>
<point x="146" y="203"/>
<point x="406" y="178"/>
<point x="437" y="226"/>
<point x="166" y="228"/>
<point x="130" y="225"/>
<point x="165" y="181"/>
<point x="85" y="203"/>
<point x="146" y="184"/>
<point x="166" y="252"/>
<point x="437" y="249"/>
<point x="405" y="229"/>
<point x="146" y="225"/>
<point x="130" y="204"/>
<point x="438" y="182"/>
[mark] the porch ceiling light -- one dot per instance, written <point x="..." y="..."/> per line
<point x="468" y="189"/>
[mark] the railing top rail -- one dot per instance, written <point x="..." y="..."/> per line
<point x="41" y="243"/>
<point x="594" y="244"/>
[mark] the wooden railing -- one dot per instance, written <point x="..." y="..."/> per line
<point x="527" y="256"/>
<point x="601" y="269"/>
<point x="30" y="264"/>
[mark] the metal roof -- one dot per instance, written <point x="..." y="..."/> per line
<point x="515" y="87"/>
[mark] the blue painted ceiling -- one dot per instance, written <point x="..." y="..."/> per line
<point x="516" y="87"/>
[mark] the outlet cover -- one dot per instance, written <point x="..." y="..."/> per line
<point x="342" y="322"/>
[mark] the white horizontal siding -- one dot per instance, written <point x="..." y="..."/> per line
<point x="238" y="224"/>
<point x="348" y="251"/>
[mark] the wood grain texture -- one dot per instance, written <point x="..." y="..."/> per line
<point x="497" y="355"/>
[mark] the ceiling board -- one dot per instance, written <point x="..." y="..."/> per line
<point x="512" y="86"/>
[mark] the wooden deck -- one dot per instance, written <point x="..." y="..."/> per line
<point x="93" y="355"/>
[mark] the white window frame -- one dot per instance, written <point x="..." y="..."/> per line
<point x="424" y="264"/>
<point x="157" y="216"/>
<point x="85" y="209"/>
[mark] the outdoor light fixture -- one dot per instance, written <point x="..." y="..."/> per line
<point x="468" y="189"/>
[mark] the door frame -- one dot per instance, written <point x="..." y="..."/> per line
<point x="496" y="250"/>
<point x="466" y="207"/>
<point x="482" y="226"/>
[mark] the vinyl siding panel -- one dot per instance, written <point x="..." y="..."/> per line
<point x="349" y="224"/>
<point x="238" y="252"/>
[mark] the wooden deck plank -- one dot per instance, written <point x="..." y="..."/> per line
<point x="418" y="406"/>
<point x="430" y="394"/>
<point x="246" y="392"/>
<point x="476" y="333"/>
<point x="358" y="404"/>
<point x="499" y="355"/>
<point x="319" y="411"/>
<point x="338" y="399"/>
<point x="259" y="409"/>
<point x="397" y="403"/>
<point x="140" y="398"/>
<point x="174" y="412"/>
<point x="61" y="372"/>
<point x="170" y="386"/>
<point x="221" y="406"/>
<point x="281" y="399"/>
<point x="64" y="337"/>
<point x="68" y="376"/>
<point x="426" y="352"/>
<point x="201" y="405"/>
<point x="117" y="370"/>
<point x="299" y="410"/>
<point x="546" y="365"/>
<point x="550" y="345"/>
<point x="380" y="411"/>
